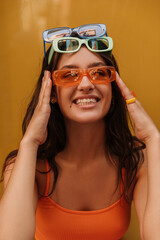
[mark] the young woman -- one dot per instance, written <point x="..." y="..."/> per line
<point x="78" y="167"/>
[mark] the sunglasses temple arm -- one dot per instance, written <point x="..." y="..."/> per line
<point x="106" y="33"/>
<point x="50" y="55"/>
<point x="44" y="49"/>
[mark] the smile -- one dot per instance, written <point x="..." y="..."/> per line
<point x="86" y="101"/>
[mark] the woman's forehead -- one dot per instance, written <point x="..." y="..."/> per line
<point x="82" y="58"/>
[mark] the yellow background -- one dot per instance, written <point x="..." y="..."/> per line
<point x="133" y="24"/>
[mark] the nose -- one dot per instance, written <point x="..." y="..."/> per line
<point x="85" y="84"/>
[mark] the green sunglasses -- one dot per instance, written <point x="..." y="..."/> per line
<point x="73" y="44"/>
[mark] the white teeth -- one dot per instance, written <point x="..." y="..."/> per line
<point x="86" y="101"/>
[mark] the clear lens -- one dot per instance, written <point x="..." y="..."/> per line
<point x="90" y="31"/>
<point x="57" y="33"/>
<point x="98" y="44"/>
<point x="68" y="45"/>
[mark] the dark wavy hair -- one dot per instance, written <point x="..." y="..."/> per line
<point x="119" y="140"/>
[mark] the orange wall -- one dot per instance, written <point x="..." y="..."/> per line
<point x="133" y="25"/>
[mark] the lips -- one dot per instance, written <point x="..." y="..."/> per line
<point x="86" y="100"/>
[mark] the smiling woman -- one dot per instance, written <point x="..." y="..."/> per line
<point x="75" y="105"/>
<point x="78" y="167"/>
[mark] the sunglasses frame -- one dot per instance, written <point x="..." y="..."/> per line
<point x="83" y="72"/>
<point x="71" y="30"/>
<point x="55" y="48"/>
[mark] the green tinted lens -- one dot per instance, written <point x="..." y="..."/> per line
<point x="98" y="44"/>
<point x="68" y="45"/>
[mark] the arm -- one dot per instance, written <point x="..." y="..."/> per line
<point x="147" y="191"/>
<point x="19" y="200"/>
<point x="151" y="222"/>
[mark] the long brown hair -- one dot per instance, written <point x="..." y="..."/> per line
<point x="119" y="140"/>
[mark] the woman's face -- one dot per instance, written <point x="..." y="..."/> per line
<point x="67" y="97"/>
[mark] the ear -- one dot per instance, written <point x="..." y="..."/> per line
<point x="53" y="95"/>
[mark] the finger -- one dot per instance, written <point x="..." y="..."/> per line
<point x="135" y="109"/>
<point x="47" y="92"/>
<point x="127" y="94"/>
<point x="42" y="88"/>
<point x="47" y="74"/>
<point x="44" y="83"/>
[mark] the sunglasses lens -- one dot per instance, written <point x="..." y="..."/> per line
<point x="57" y="33"/>
<point x="91" y="31"/>
<point x="98" y="44"/>
<point x="102" y="74"/>
<point x="66" y="77"/>
<point x="68" y="45"/>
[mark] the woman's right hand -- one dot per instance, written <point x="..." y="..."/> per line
<point x="36" y="132"/>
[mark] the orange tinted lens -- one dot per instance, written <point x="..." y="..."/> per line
<point x="66" y="77"/>
<point x="102" y="74"/>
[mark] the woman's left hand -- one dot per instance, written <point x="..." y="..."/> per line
<point x="145" y="128"/>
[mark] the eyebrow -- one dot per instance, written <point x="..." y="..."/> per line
<point x="95" y="64"/>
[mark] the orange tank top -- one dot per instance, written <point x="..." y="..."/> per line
<point x="54" y="222"/>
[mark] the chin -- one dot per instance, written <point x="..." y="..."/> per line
<point x="86" y="118"/>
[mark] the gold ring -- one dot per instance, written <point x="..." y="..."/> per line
<point x="131" y="100"/>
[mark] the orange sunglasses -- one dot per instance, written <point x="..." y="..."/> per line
<point x="72" y="77"/>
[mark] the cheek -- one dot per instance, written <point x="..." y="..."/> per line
<point x="63" y="98"/>
<point x="60" y="96"/>
<point x="107" y="97"/>
<point x="106" y="91"/>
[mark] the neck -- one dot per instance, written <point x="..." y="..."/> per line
<point x="85" y="143"/>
